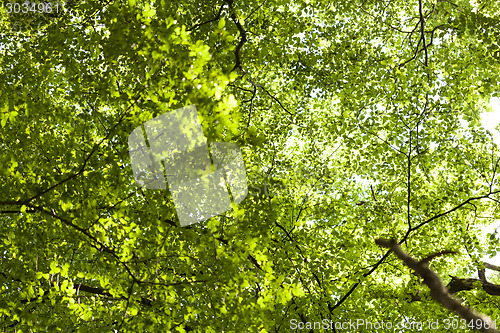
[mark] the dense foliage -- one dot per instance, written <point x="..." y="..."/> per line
<point x="357" y="120"/>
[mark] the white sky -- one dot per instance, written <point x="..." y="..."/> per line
<point x="490" y="121"/>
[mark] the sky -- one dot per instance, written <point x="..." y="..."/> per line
<point x="490" y="120"/>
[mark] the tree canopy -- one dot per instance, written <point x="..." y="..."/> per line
<point x="357" y="120"/>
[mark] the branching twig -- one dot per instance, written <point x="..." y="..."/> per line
<point x="196" y="26"/>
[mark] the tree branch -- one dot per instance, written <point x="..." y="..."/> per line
<point x="438" y="290"/>
<point x="457" y="285"/>
<point x="196" y="26"/>
<point x="493" y="267"/>
<point x="243" y="35"/>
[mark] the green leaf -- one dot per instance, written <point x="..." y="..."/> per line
<point x="222" y="23"/>
<point x="53" y="268"/>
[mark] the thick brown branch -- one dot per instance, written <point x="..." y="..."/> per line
<point x="457" y="285"/>
<point x="438" y="290"/>
<point x="493" y="267"/>
<point x="481" y="274"/>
